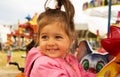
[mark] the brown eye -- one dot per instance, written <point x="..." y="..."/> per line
<point x="44" y="37"/>
<point x="58" y="37"/>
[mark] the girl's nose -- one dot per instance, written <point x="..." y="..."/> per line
<point x="51" y="42"/>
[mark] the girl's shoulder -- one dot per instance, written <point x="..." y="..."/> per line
<point x="71" y="57"/>
<point x="56" y="61"/>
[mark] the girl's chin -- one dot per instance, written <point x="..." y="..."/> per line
<point x="54" y="55"/>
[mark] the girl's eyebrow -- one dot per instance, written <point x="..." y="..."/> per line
<point x="43" y="33"/>
<point x="58" y="34"/>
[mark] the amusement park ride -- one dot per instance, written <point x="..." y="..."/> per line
<point x="19" y="38"/>
<point x="97" y="8"/>
<point x="100" y="13"/>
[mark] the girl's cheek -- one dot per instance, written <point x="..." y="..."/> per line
<point x="42" y="44"/>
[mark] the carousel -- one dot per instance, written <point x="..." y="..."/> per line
<point x="21" y="37"/>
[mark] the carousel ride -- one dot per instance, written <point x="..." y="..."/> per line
<point x="21" y="37"/>
<point x="111" y="42"/>
<point x="101" y="13"/>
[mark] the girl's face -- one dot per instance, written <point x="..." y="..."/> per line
<point x="54" y="42"/>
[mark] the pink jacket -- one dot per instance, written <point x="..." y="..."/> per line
<point x="38" y="65"/>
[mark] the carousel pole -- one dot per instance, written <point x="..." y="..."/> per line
<point x="109" y="14"/>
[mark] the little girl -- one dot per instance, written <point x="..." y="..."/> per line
<point x="9" y="55"/>
<point x="52" y="57"/>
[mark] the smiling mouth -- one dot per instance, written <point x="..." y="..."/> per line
<point x="52" y="50"/>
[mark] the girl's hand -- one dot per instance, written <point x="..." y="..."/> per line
<point x="107" y="74"/>
<point x="118" y="75"/>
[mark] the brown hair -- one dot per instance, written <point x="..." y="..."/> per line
<point x="57" y="15"/>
